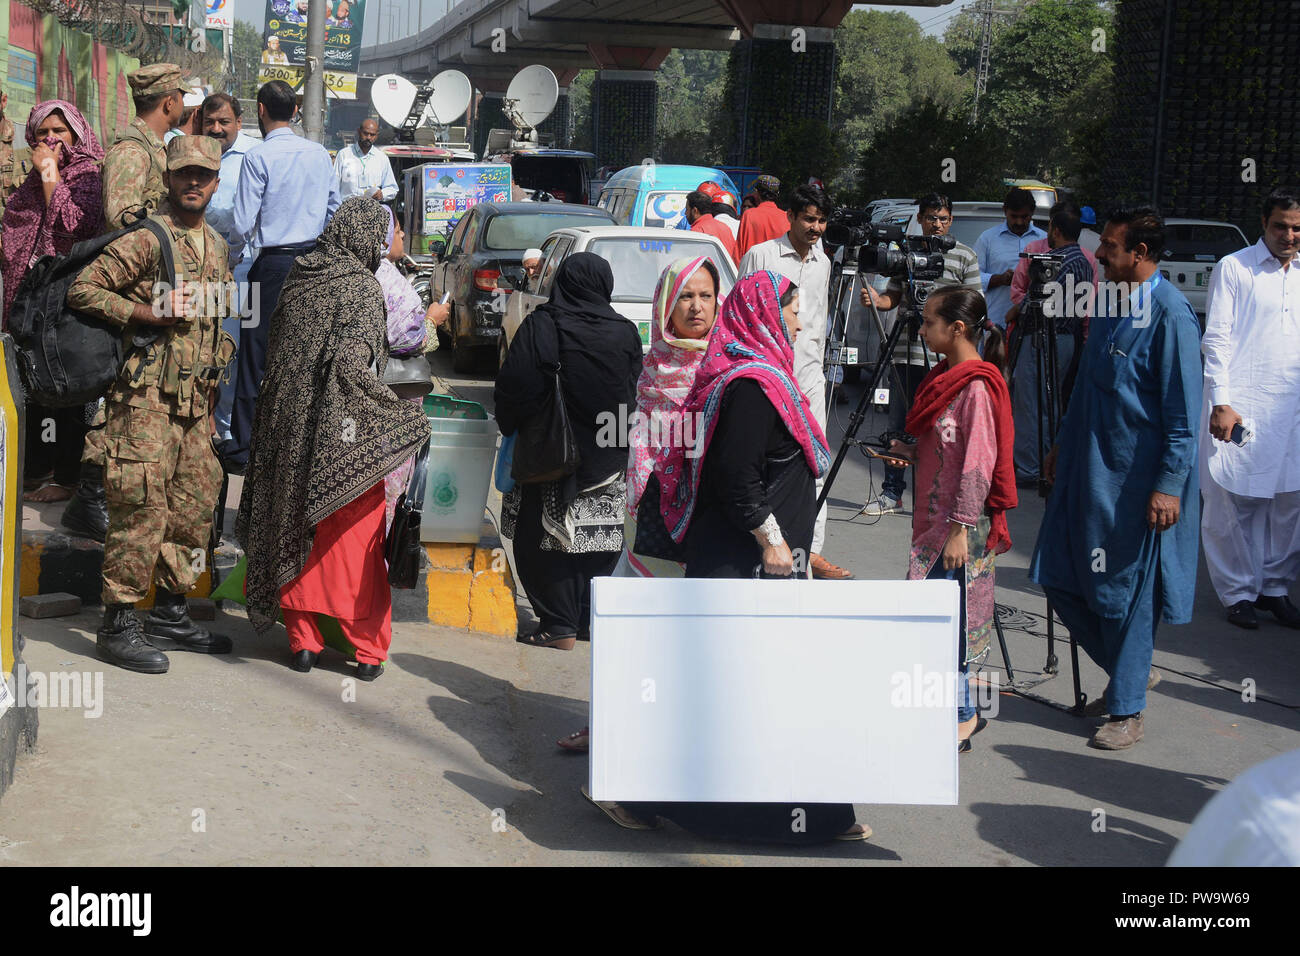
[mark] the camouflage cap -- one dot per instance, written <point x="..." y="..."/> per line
<point x="156" y="78"/>
<point x="185" y="151"/>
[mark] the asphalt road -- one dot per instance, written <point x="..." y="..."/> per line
<point x="450" y="757"/>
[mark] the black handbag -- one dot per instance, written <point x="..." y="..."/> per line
<point x="545" y="449"/>
<point x="652" y="537"/>
<point x="403" y="549"/>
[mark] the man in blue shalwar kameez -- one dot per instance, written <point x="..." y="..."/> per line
<point x="1118" y="545"/>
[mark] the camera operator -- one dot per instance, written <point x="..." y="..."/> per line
<point x="960" y="268"/>
<point x="1072" y="300"/>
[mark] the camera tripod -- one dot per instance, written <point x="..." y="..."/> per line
<point x="1041" y="329"/>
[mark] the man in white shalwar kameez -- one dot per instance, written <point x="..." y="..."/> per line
<point x="1250" y="528"/>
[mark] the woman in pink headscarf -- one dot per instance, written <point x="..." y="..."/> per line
<point x="58" y="205"/>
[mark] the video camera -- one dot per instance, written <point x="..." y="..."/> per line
<point x="1044" y="270"/>
<point x="917" y="257"/>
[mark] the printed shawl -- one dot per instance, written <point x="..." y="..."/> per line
<point x="75" y="212"/>
<point x="326" y="428"/>
<point x="935" y="393"/>
<point x="749" y="340"/>
<point x="666" y="380"/>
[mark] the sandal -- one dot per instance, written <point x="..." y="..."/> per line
<point x="49" y="492"/>
<point x="623" y="817"/>
<point x="31" y="484"/>
<point x="578" y="743"/>
<point x="857" y="832"/>
<point x="544" y="638"/>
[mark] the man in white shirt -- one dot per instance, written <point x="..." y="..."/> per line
<point x="800" y="257"/>
<point x="1250" y="528"/>
<point x="363" y="168"/>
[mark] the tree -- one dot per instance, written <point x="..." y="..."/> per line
<point x="804" y="148"/>
<point x="932" y="147"/>
<point x="1049" y="84"/>
<point x="691" y="84"/>
<point x="245" y="57"/>
<point x="885" y="66"/>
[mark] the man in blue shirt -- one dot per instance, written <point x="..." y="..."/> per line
<point x="999" y="250"/>
<point x="286" y="195"/>
<point x="221" y="121"/>
<point x="1118" y="545"/>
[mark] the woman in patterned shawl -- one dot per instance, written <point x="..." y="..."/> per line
<point x="58" y="205"/>
<point x="325" y="433"/>
<point x="567" y="532"/>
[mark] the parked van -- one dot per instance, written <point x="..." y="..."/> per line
<point x="652" y="195"/>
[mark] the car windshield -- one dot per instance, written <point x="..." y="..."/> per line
<point x="1200" y="242"/>
<point x="637" y="263"/>
<point x="527" y="230"/>
<point x="561" y="176"/>
<point x="967" y="229"/>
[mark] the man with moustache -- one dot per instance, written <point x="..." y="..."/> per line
<point x="1116" y="551"/>
<point x="160" y="472"/>
<point x="221" y="121"/>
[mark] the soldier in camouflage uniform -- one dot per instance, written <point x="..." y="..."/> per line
<point x="161" y="475"/>
<point x="12" y="173"/>
<point x="133" y="187"/>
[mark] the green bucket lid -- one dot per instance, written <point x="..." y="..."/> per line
<point x="444" y="406"/>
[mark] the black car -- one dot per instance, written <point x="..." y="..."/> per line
<point x="483" y="265"/>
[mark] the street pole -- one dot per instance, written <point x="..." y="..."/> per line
<point x="313" y="93"/>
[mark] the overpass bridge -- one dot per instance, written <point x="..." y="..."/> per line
<point x="785" y="73"/>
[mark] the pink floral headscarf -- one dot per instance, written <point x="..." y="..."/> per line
<point x="666" y="378"/>
<point x="749" y="340"/>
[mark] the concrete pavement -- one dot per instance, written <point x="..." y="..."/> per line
<point x="450" y="757"/>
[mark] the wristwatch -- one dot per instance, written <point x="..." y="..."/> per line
<point x="771" y="531"/>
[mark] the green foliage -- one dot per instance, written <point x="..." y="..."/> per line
<point x="1049" y="87"/>
<point x="885" y="65"/>
<point x="691" y="86"/>
<point x="580" y="110"/>
<point x="931" y="147"/>
<point x="245" y="57"/>
<point x="805" y="148"/>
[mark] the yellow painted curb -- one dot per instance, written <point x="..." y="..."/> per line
<point x="36" y="575"/>
<point x="470" y="586"/>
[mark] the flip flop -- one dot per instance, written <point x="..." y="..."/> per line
<point x="621" y="816"/>
<point x="31" y="484"/>
<point x="855" y="833"/>
<point x="39" y="496"/>
<point x="578" y="743"/>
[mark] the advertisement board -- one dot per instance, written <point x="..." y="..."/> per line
<point x="449" y="190"/>
<point x="284" y="42"/>
<point x="343" y="86"/>
<point x="219" y="14"/>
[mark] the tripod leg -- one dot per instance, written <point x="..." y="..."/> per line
<point x="1079" y="699"/>
<point x="1052" y="665"/>
<point x="1002" y="643"/>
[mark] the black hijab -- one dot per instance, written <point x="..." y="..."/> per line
<point x="600" y="358"/>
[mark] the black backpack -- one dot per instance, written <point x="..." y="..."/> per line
<point x="65" y="357"/>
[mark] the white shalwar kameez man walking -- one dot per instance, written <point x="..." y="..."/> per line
<point x="1250" y="529"/>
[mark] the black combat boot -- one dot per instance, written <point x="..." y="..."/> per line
<point x="121" y="641"/>
<point x="170" y="619"/>
<point x="87" y="513"/>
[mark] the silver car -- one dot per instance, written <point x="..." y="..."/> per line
<point x="637" y="255"/>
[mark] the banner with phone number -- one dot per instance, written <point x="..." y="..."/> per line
<point x="340" y="85"/>
<point x="285" y="37"/>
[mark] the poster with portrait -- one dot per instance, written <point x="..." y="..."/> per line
<point x="285" y="38"/>
<point x="449" y="191"/>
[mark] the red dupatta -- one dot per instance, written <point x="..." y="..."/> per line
<point x="936" y="392"/>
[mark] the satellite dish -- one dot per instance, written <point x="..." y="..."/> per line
<point x="392" y="96"/>
<point x="531" y="97"/>
<point x="451" y="94"/>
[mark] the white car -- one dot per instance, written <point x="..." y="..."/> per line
<point x="1192" y="247"/>
<point x="637" y="255"/>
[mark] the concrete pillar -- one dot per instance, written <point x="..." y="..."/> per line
<point x="624" y="104"/>
<point x="558" y="127"/>
<point x="782" y="73"/>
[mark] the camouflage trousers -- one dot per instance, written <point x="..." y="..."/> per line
<point x="161" y="480"/>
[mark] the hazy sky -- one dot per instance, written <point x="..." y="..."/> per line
<point x="401" y="17"/>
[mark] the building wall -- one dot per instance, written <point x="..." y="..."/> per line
<point x="43" y="59"/>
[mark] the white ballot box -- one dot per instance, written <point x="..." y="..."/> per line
<point x="765" y="691"/>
